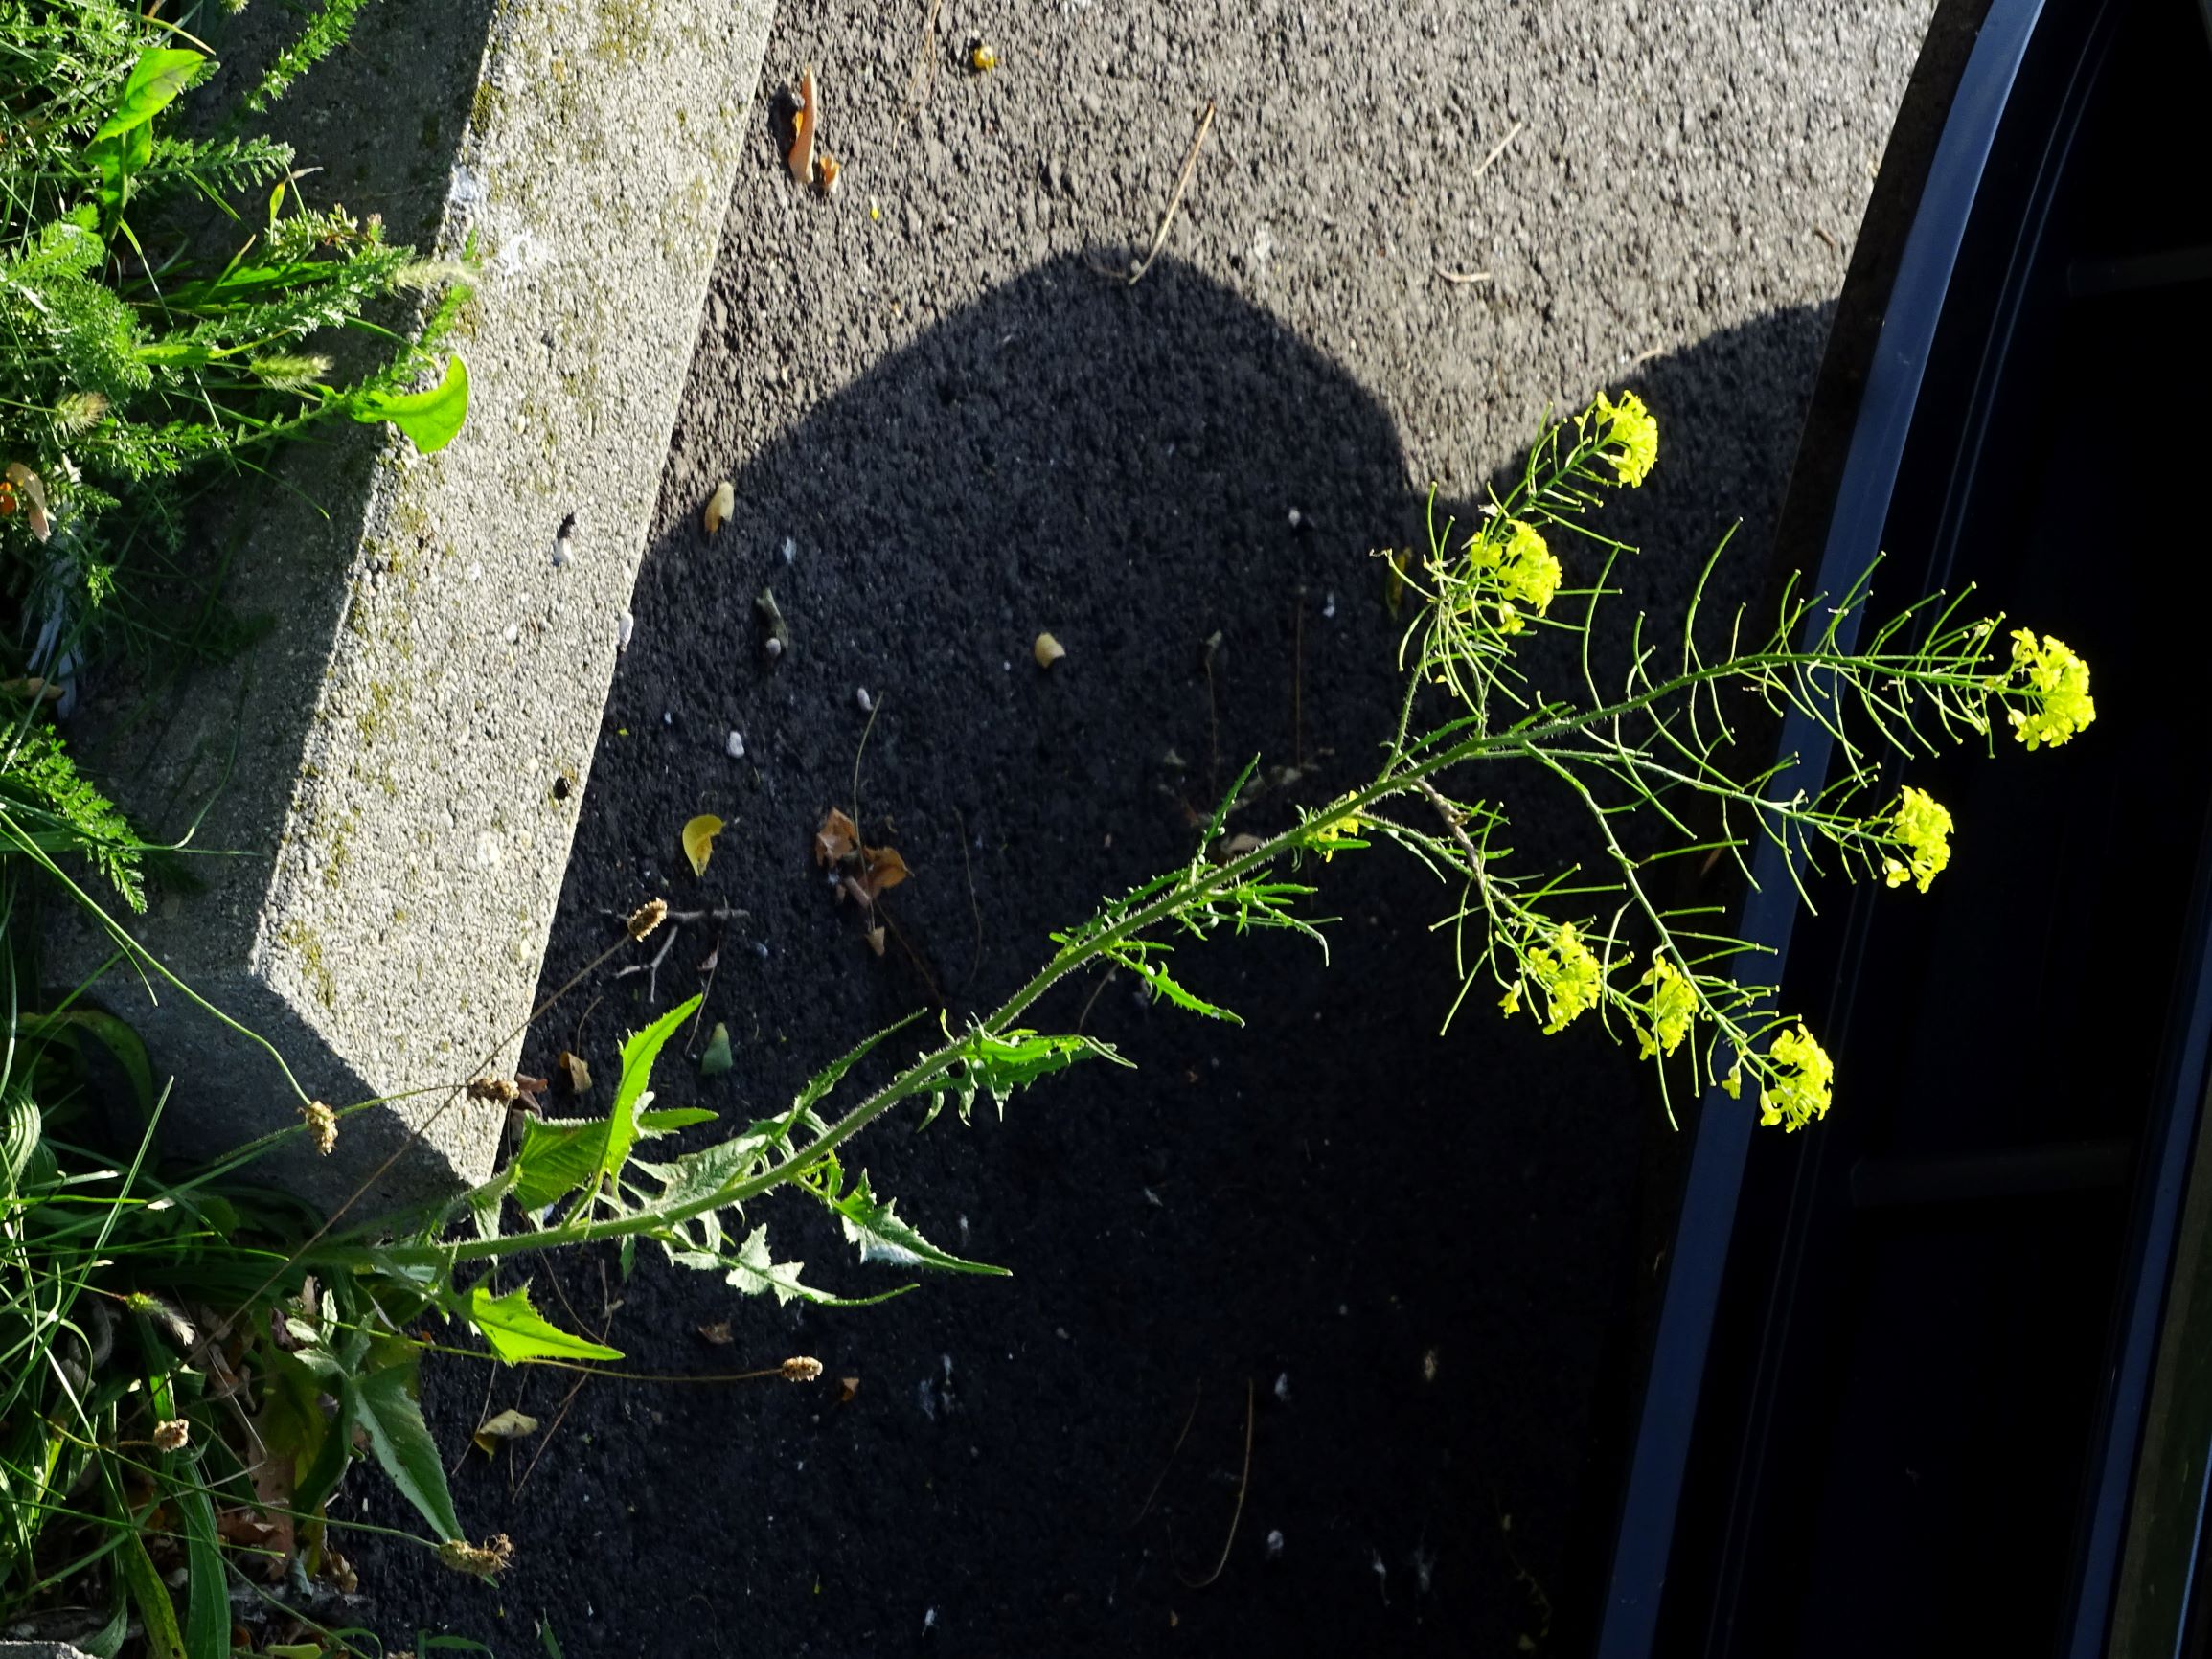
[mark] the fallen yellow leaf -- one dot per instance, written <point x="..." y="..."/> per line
<point x="699" y="840"/>
<point x="505" y="1425"/>
<point x="719" y="506"/>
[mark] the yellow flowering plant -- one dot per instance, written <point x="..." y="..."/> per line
<point x="1643" y="755"/>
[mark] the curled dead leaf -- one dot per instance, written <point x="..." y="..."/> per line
<point x="719" y="506"/>
<point x="875" y="938"/>
<point x="800" y="158"/>
<point x="502" y="1425"/>
<point x="573" y="1072"/>
<point x="827" y="172"/>
<point x="836" y="840"/>
<point x="1047" y="650"/>
<point x="847" y="1388"/>
<point x="699" y="840"/>
<point x="28" y="491"/>
<point x="881" y="869"/>
<point x="718" y="1332"/>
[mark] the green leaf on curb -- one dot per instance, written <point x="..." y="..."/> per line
<point x="431" y="419"/>
<point x="155" y="80"/>
<point x="517" y="1331"/>
<point x="382" y="1404"/>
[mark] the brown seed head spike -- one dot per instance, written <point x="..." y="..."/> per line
<point x="799" y="1369"/>
<point x="647" y="916"/>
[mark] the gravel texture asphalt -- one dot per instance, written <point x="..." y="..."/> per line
<point x="938" y="391"/>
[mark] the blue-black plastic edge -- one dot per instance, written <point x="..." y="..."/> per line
<point x="1661" y="1456"/>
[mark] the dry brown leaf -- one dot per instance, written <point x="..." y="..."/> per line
<point x="244" y="1527"/>
<point x="881" y="869"/>
<point x="719" y="506"/>
<point x="1047" y="650"/>
<point x="574" y="1071"/>
<point x="801" y="156"/>
<point x="875" y="938"/>
<point x="847" y="1388"/>
<point x="502" y="1425"/>
<point x="699" y="840"/>
<point x="836" y="840"/>
<point x="717" y="1333"/>
<point x="826" y="171"/>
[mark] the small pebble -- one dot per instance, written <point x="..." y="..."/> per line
<point x="761" y="948"/>
<point x="867" y="703"/>
<point x="1274" y="1543"/>
<point x="1282" y="1388"/>
<point x="667" y="717"/>
<point x="1329" y="608"/>
<point x="735" y="746"/>
<point x="790" y="550"/>
<point x="622" y="630"/>
<point x="1295" y="520"/>
<point x="774" y="648"/>
<point x="514" y="632"/>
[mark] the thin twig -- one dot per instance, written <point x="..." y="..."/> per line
<point x="875" y="708"/>
<point x="1174" y="201"/>
<point x="1089" y="1002"/>
<point x="1495" y="150"/>
<point x="651" y="968"/>
<point x="1482" y="167"/>
<point x="719" y="912"/>
<point x="1197" y="1393"/>
<point x="975" y="963"/>
<point x="1243" y="1484"/>
<point x="924" y="61"/>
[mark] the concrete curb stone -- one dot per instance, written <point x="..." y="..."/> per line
<point x="394" y="769"/>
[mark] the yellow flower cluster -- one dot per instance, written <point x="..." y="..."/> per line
<point x="2058" y="683"/>
<point x="1325" y="834"/>
<point x="1521" y="567"/>
<point x="1572" y="980"/>
<point x="1798" y="1094"/>
<point x="1632" y="433"/>
<point x="1921" y="825"/>
<point x="1671" y="1012"/>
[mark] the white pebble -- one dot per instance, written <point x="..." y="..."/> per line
<point x="1274" y="1543"/>
<point x="775" y="647"/>
<point x="867" y="703"/>
<point x="622" y="630"/>
<point x="514" y="632"/>
<point x="735" y="746"/>
<point x="790" y="550"/>
<point x="1282" y="1388"/>
<point x="1294" y="517"/>
<point x="929" y="1620"/>
<point x="1329" y="609"/>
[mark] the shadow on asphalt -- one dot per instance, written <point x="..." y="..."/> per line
<point x="1426" y="1255"/>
